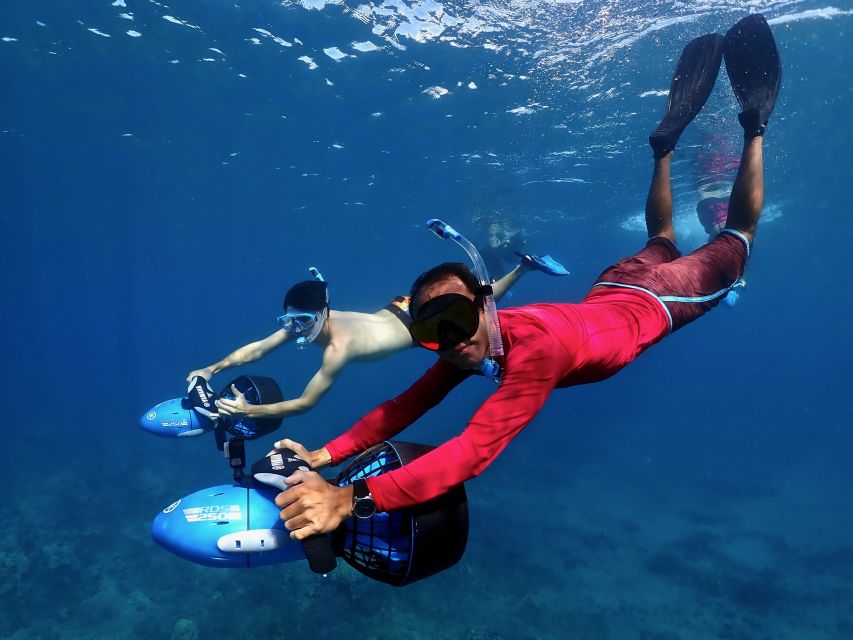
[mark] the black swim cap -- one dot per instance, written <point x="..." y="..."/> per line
<point x="310" y="295"/>
<point x="443" y="271"/>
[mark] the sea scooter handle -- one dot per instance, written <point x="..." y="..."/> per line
<point x="196" y="412"/>
<point x="272" y="470"/>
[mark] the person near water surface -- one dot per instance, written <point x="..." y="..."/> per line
<point x="344" y="336"/>
<point x="717" y="166"/>
<point x="634" y="304"/>
<point x="504" y="240"/>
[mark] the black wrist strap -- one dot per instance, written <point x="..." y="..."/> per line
<point x="359" y="489"/>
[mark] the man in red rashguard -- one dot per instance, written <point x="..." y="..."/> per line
<point x="632" y="305"/>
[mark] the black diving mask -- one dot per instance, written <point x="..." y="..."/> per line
<point x="445" y="321"/>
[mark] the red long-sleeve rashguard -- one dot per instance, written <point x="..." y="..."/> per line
<point x="546" y="346"/>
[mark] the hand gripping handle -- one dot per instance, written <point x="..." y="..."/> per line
<point x="273" y="470"/>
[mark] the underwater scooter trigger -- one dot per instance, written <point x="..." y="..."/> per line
<point x="196" y="413"/>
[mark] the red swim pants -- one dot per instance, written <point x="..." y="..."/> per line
<point x="686" y="286"/>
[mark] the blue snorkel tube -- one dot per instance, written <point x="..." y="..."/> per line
<point x="488" y="367"/>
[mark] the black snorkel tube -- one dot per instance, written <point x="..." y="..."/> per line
<point x="489" y="366"/>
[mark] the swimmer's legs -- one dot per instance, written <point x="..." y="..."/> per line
<point x="755" y="72"/>
<point x="745" y="201"/>
<point x="747" y="197"/>
<point x="659" y="201"/>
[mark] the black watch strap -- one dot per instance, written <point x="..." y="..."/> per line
<point x="359" y="489"/>
<point x="363" y="505"/>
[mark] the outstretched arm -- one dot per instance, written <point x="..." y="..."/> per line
<point x="386" y="420"/>
<point x="312" y="505"/>
<point x="531" y="375"/>
<point x="248" y="353"/>
<point x="392" y="416"/>
<point x="319" y="384"/>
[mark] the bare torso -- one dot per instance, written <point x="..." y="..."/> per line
<point x="363" y="337"/>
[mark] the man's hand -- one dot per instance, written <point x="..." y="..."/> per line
<point x="236" y="407"/>
<point x="316" y="459"/>
<point x="312" y="505"/>
<point x="206" y="373"/>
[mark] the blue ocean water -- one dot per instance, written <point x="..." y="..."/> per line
<point x="169" y="169"/>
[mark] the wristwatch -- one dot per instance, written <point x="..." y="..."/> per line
<point x="363" y="504"/>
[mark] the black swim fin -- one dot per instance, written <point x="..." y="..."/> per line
<point x="692" y="82"/>
<point x="752" y="63"/>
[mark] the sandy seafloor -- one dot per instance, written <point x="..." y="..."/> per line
<point x="617" y="552"/>
<point x="162" y="188"/>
